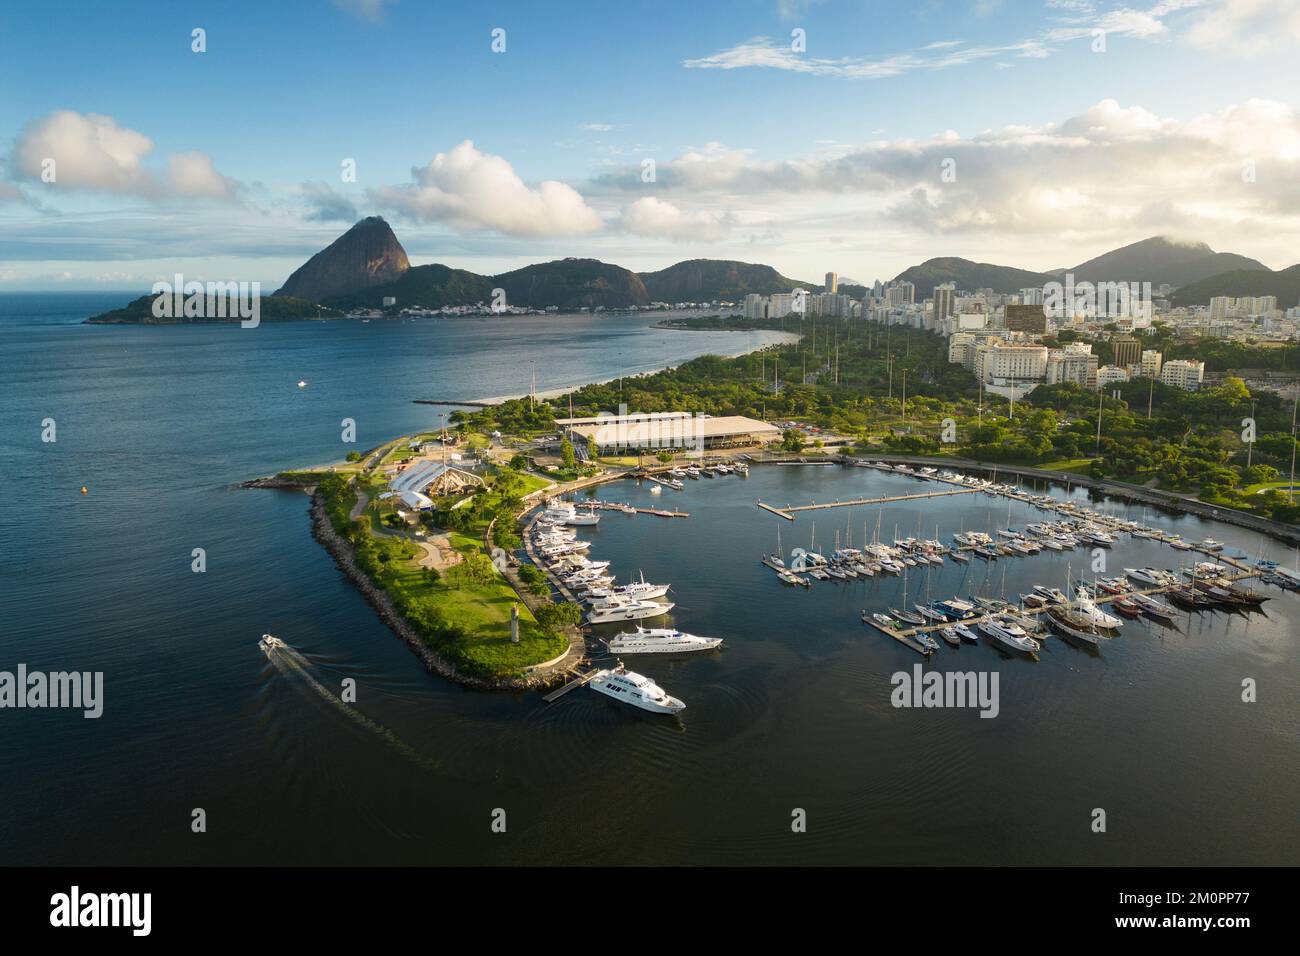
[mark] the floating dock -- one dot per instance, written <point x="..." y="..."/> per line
<point x="559" y="692"/>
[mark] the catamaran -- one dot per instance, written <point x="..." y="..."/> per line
<point x="659" y="640"/>
<point x="632" y="688"/>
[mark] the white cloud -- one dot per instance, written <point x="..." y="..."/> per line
<point x="1248" y="27"/>
<point x="597" y="127"/>
<point x="1112" y="170"/>
<point x="92" y="152"/>
<point x="657" y="218"/>
<point x="471" y="190"/>
<point x="365" y="9"/>
<point x="1075" y="21"/>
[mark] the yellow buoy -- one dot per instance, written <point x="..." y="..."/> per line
<point x="84" y="491"/>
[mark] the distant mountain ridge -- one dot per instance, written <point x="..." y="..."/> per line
<point x="1285" y="284"/>
<point x="968" y="275"/>
<point x="1160" y="260"/>
<point x="709" y="280"/>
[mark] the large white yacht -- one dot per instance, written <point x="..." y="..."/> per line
<point x="660" y="640"/>
<point x="1009" y="634"/>
<point x="625" y="609"/>
<point x="638" y="590"/>
<point x="562" y="512"/>
<point x="632" y="688"/>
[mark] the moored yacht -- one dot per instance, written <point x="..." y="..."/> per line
<point x="660" y="640"/>
<point x="626" y="609"/>
<point x="632" y="688"/>
<point x="1010" y="635"/>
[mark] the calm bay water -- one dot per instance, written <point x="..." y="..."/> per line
<point x="160" y="422"/>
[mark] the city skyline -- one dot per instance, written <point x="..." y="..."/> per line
<point x="812" y="137"/>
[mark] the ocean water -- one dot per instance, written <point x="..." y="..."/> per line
<point x="160" y="423"/>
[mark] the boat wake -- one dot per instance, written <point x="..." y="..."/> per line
<point x="291" y="663"/>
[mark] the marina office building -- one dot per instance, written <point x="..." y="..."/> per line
<point x="671" y="431"/>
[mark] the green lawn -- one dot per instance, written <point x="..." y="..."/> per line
<point x="1282" y="483"/>
<point x="1079" y="466"/>
<point x="480" y="609"/>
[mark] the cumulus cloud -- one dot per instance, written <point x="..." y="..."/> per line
<point x="1247" y="27"/>
<point x="92" y="152"/>
<point x="325" y="204"/>
<point x="472" y="190"/>
<point x="656" y="218"/>
<point x="1110" y="169"/>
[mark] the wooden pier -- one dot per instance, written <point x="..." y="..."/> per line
<point x="788" y="511"/>
<point x="611" y="506"/>
<point x="559" y="692"/>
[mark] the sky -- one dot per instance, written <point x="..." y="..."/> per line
<point x="845" y="135"/>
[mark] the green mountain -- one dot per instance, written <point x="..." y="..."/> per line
<point x="430" y="287"/>
<point x="275" y="308"/>
<point x="707" y="280"/>
<point x="1161" y="260"/>
<point x="968" y="276"/>
<point x="366" y="255"/>
<point x="573" y="284"/>
<point x="1285" y="284"/>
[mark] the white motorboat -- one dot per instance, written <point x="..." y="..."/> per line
<point x="626" y="609"/>
<point x="1152" y="577"/>
<point x="1087" y="607"/>
<point x="637" y="590"/>
<point x="660" y="640"/>
<point x="632" y="688"/>
<point x="269" y="643"/>
<point x="1010" y="635"/>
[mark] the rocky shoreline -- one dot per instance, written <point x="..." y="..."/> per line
<point x="341" y="551"/>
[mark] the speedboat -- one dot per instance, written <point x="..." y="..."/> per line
<point x="1156" y="610"/>
<point x="1052" y="595"/>
<point x="884" y="620"/>
<point x="632" y="688"/>
<point x="659" y="640"/>
<point x="949" y="634"/>
<point x="967" y="634"/>
<point x="927" y="642"/>
<point x="269" y="643"/>
<point x="1152" y="577"/>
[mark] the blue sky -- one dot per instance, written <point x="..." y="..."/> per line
<point x="226" y="164"/>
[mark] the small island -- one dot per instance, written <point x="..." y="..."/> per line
<point x="438" y="565"/>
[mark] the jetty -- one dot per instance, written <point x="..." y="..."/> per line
<point x="574" y="684"/>
<point x="904" y="634"/>
<point x="629" y="509"/>
<point x="788" y="511"/>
